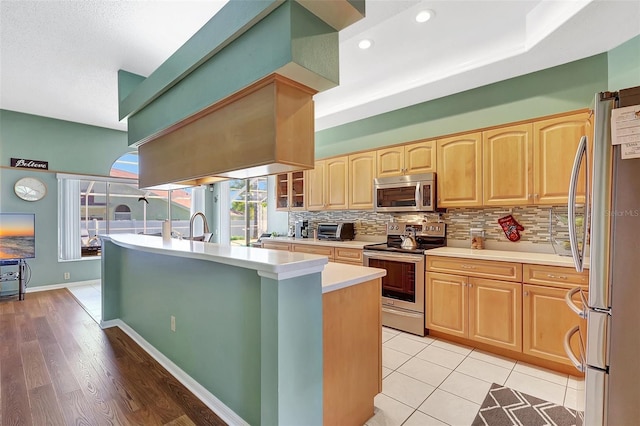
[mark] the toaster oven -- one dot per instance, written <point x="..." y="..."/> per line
<point x="336" y="231"/>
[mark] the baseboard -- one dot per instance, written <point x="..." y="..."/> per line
<point x="217" y="406"/>
<point x="61" y="285"/>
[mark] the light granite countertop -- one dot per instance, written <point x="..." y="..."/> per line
<point x="504" y="256"/>
<point x="276" y="264"/>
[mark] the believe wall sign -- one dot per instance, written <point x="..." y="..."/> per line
<point x="29" y="164"/>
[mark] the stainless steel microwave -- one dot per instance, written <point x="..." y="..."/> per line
<point x="411" y="193"/>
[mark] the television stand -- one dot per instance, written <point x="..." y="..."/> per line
<point x="15" y="275"/>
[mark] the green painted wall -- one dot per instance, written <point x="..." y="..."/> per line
<point x="255" y="343"/>
<point x="69" y="148"/>
<point x="559" y="89"/>
<point x="624" y="65"/>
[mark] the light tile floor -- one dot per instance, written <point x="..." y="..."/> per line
<point x="90" y="297"/>
<point x="429" y="381"/>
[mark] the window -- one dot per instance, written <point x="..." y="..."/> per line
<point x="89" y="206"/>
<point x="247" y="210"/>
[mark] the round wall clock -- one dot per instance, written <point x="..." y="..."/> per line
<point x="30" y="189"/>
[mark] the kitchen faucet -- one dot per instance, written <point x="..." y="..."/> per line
<point x="206" y="235"/>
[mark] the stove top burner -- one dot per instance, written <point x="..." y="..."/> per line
<point x="428" y="236"/>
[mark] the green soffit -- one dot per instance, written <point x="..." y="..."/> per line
<point x="244" y="42"/>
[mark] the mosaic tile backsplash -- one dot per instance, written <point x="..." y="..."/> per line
<point x="535" y="220"/>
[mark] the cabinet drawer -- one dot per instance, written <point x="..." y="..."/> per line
<point x="348" y="255"/>
<point x="321" y="250"/>
<point x="507" y="271"/>
<point x="554" y="276"/>
<point x="276" y="246"/>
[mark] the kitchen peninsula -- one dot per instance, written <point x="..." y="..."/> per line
<point x="272" y="337"/>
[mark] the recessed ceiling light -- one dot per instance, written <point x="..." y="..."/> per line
<point x="365" y="44"/>
<point x="424" y="15"/>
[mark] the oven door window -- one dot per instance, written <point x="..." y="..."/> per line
<point x="403" y="196"/>
<point x="400" y="281"/>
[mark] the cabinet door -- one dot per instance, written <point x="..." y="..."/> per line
<point x="336" y="183"/>
<point x="446" y="303"/>
<point x="315" y="186"/>
<point x="495" y="313"/>
<point x="555" y="143"/>
<point x="420" y="157"/>
<point x="362" y="168"/>
<point x="459" y="164"/>
<point x="297" y="190"/>
<point x="546" y="320"/>
<point x="282" y="191"/>
<point x="507" y="162"/>
<point x="347" y="255"/>
<point x="390" y="161"/>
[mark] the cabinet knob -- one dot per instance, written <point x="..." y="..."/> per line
<point x="526" y="293"/>
<point x="470" y="285"/>
<point x="535" y="196"/>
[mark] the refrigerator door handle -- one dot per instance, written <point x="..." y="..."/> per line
<point x="579" y="364"/>
<point x="578" y="255"/>
<point x="568" y="298"/>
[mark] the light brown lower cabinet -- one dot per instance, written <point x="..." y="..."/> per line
<point x="352" y="256"/>
<point x="352" y="353"/>
<point x="479" y="309"/>
<point x="547" y="318"/>
<point x="523" y="312"/>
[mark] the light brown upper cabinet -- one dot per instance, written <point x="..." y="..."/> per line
<point x="459" y="170"/>
<point x="555" y="142"/>
<point x="508" y="166"/>
<point x="290" y="191"/>
<point x="414" y="158"/>
<point x="362" y="168"/>
<point x="327" y="184"/>
<point x="315" y="186"/>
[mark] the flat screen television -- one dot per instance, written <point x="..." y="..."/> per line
<point x="17" y="236"/>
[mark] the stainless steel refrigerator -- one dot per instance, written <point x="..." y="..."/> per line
<point x="610" y="358"/>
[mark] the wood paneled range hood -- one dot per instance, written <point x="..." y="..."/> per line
<point x="236" y="100"/>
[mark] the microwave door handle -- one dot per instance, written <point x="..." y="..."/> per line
<point x="418" y="197"/>
<point x="571" y="206"/>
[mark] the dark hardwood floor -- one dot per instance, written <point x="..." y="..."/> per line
<point x="58" y="367"/>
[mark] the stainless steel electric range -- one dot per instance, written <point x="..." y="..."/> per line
<point x="403" y="292"/>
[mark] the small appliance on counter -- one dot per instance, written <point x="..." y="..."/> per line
<point x="302" y="229"/>
<point x="336" y="231"/>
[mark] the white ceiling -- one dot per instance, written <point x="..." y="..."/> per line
<point x="60" y="59"/>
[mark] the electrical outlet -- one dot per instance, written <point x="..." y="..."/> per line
<point x="173" y="323"/>
<point x="67" y="276"/>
